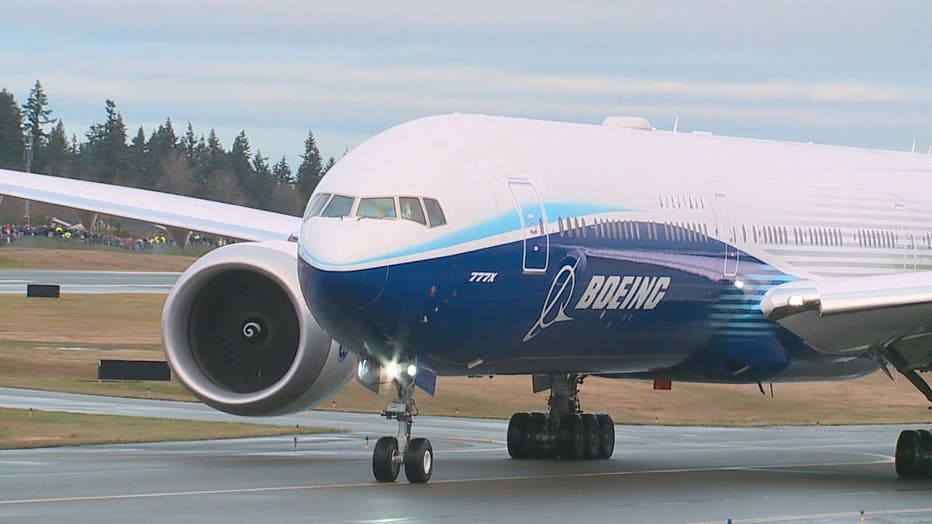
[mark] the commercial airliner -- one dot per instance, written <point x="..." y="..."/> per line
<point x="477" y="245"/>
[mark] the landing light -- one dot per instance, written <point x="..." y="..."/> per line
<point x="412" y="370"/>
<point x="795" y="301"/>
<point x="739" y="284"/>
<point x="392" y="370"/>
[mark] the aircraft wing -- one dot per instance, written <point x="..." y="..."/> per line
<point x="888" y="315"/>
<point x="180" y="215"/>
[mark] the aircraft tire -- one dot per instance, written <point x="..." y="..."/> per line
<point x="571" y="442"/>
<point x="592" y="436"/>
<point x="907" y="454"/>
<point x="519" y="436"/>
<point x="607" y="428"/>
<point x="384" y="467"/>
<point x="419" y="461"/>
<point x="537" y="436"/>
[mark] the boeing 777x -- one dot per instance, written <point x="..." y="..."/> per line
<point x="468" y="245"/>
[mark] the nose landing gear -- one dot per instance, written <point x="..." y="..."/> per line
<point x="416" y="454"/>
<point x="564" y="431"/>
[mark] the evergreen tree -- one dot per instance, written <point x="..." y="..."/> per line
<point x="105" y="156"/>
<point x="330" y="162"/>
<point x="281" y="173"/>
<point x="240" y="155"/>
<point x="58" y="153"/>
<point x="309" y="172"/>
<point x="189" y="142"/>
<point x="141" y="161"/>
<point x="263" y="182"/>
<point x="12" y="142"/>
<point x="35" y="117"/>
<point x="163" y="140"/>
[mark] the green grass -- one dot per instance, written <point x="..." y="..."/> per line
<point x="33" y="428"/>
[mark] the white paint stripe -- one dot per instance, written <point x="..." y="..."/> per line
<point x="824" y="516"/>
<point x="308" y="487"/>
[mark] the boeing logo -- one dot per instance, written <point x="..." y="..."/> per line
<point x="615" y="292"/>
<point x="558" y="299"/>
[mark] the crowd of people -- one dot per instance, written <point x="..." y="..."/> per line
<point x="11" y="234"/>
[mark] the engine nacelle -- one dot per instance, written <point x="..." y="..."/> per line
<point x="238" y="335"/>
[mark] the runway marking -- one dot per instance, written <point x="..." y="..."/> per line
<point x="819" y="516"/>
<point x="316" y="487"/>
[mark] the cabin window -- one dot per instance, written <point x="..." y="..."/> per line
<point x="339" y="206"/>
<point x="411" y="210"/>
<point x="434" y="213"/>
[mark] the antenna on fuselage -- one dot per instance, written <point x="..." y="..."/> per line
<point x="914" y="145"/>
<point x="676" y="123"/>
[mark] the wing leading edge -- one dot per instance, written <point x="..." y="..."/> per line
<point x="179" y="214"/>
<point x="889" y="316"/>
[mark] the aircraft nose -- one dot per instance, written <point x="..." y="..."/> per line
<point x="336" y="293"/>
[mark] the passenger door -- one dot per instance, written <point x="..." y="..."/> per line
<point x="533" y="220"/>
<point x="726" y="231"/>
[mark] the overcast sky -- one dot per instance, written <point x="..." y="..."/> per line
<point x="853" y="72"/>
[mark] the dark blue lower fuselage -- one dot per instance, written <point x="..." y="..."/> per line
<point x="452" y="312"/>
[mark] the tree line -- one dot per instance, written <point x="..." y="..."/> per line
<point x="163" y="160"/>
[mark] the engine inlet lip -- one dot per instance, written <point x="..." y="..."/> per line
<point x="178" y="307"/>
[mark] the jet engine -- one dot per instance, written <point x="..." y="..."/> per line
<point x="238" y="335"/>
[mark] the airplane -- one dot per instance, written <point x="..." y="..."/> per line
<point x="460" y="244"/>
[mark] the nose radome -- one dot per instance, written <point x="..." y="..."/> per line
<point x="346" y="257"/>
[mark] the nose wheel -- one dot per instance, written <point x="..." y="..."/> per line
<point x="391" y="453"/>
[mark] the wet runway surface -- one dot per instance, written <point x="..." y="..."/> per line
<point x="14" y="281"/>
<point x="658" y="474"/>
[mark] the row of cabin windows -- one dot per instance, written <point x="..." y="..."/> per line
<point x="681" y="202"/>
<point x="698" y="232"/>
<point x="627" y="230"/>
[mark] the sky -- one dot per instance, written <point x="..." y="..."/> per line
<point x="855" y="72"/>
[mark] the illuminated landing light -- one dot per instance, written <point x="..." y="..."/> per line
<point x="412" y="370"/>
<point x="795" y="301"/>
<point x="393" y="370"/>
<point x="739" y="284"/>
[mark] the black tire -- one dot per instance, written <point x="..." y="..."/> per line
<point x="419" y="461"/>
<point x="907" y="454"/>
<point x="537" y="436"/>
<point x="384" y="466"/>
<point x="518" y="435"/>
<point x="592" y="436"/>
<point x="571" y="437"/>
<point x="607" y="429"/>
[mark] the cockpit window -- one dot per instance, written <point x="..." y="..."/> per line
<point x="316" y="205"/>
<point x="434" y="213"/>
<point x="383" y="207"/>
<point x="339" y="206"/>
<point x="411" y="209"/>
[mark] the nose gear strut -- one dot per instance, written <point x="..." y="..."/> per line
<point x="416" y="454"/>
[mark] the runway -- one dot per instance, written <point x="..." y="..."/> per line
<point x="14" y="281"/>
<point x="658" y="474"/>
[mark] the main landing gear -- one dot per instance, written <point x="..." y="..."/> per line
<point x="564" y="431"/>
<point x="417" y="455"/>
<point x="914" y="454"/>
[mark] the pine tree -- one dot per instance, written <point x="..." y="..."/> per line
<point x="330" y="162"/>
<point x="35" y="118"/>
<point x="141" y="161"/>
<point x="309" y="172"/>
<point x="282" y="172"/>
<point x="12" y="142"/>
<point x="105" y="156"/>
<point x="163" y="140"/>
<point x="58" y="154"/>
<point x="189" y="142"/>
